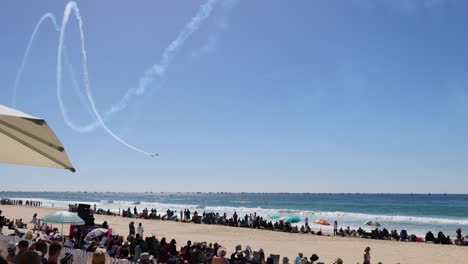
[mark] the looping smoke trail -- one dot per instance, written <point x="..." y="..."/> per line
<point x="28" y="49"/>
<point x="71" y="6"/>
<point x="151" y="74"/>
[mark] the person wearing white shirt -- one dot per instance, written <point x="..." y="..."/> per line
<point x="140" y="230"/>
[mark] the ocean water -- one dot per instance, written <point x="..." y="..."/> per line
<point x="417" y="213"/>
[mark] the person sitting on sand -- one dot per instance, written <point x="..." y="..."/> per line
<point x="221" y="258"/>
<point x="430" y="237"/>
<point x="11" y="252"/>
<point x="23" y="246"/>
<point x="270" y="260"/>
<point x="99" y="257"/>
<point x="338" y="261"/>
<point x="54" y="253"/>
<point x="20" y="223"/>
<point x="29" y="257"/>
<point x="297" y="260"/>
<point x="41" y="247"/>
<point x="123" y="251"/>
<point x="285" y="260"/>
<point x="238" y="256"/>
<point x="367" y="256"/>
<point x="313" y="258"/>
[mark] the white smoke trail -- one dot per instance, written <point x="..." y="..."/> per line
<point x="72" y="6"/>
<point x="151" y="74"/>
<point x="46" y="16"/>
<point x="158" y="70"/>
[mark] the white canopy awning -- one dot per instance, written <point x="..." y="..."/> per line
<point x="27" y="140"/>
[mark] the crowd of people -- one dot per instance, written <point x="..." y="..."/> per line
<point x="20" y="202"/>
<point x="258" y="222"/>
<point x="45" y="246"/>
<point x="137" y="247"/>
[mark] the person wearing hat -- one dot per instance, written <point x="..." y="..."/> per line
<point x="238" y="256"/>
<point x="11" y="249"/>
<point x="313" y="258"/>
<point x="145" y="258"/>
<point x="367" y="256"/>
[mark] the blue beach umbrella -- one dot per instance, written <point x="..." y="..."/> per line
<point x="292" y="219"/>
<point x="63" y="217"/>
<point x="274" y="216"/>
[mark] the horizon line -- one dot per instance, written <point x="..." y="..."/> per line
<point x="218" y="192"/>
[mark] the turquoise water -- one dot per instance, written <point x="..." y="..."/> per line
<point x="418" y="213"/>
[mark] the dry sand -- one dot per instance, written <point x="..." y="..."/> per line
<point x="285" y="244"/>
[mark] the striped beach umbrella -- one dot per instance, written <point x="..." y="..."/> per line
<point x="372" y="223"/>
<point x="63" y="217"/>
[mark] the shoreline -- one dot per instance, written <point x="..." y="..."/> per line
<point x="286" y="244"/>
<point x="418" y="225"/>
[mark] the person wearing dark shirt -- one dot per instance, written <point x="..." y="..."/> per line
<point x="238" y="256"/>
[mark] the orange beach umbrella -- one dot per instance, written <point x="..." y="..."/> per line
<point x="321" y="222"/>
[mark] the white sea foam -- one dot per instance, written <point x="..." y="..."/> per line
<point x="343" y="217"/>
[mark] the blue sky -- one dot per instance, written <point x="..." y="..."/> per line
<point x="266" y="96"/>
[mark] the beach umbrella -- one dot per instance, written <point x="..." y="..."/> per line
<point x="28" y="140"/>
<point x="292" y="219"/>
<point x="321" y="222"/>
<point x="275" y="216"/>
<point x="63" y="217"/>
<point x="95" y="233"/>
<point x="372" y="223"/>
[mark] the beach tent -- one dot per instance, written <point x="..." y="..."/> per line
<point x="28" y="140"/>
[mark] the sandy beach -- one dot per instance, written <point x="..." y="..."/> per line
<point x="285" y="244"/>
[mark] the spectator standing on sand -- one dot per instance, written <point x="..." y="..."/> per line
<point x="335" y="228"/>
<point x="140" y="230"/>
<point x="367" y="256"/>
<point x="131" y="229"/>
<point x="34" y="221"/>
